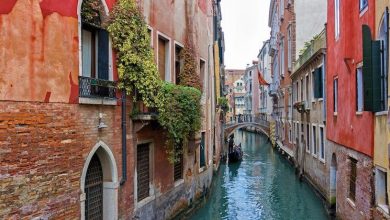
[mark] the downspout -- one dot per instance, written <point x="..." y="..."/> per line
<point x="124" y="147"/>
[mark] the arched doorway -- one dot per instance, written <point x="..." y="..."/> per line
<point x="99" y="184"/>
<point x="94" y="190"/>
<point x="333" y="182"/>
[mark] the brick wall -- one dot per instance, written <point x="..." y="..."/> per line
<point x="43" y="151"/>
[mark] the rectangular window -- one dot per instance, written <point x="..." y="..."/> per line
<point x="282" y="57"/>
<point x="352" y="178"/>
<point x="359" y="89"/>
<point x="289" y="49"/>
<point x="281" y="8"/>
<point x="163" y="58"/>
<point x="302" y="89"/>
<point x="363" y="4"/>
<point x="143" y="171"/>
<point x="202" y="150"/>
<point x="317" y="83"/>
<point x="322" y="144"/>
<point x="289" y="135"/>
<point x="314" y="139"/>
<point x="178" y="166"/>
<point x="381" y="196"/>
<point x="178" y="62"/>
<point x="335" y="94"/>
<point x="297" y="92"/>
<point x="95" y="52"/>
<point x="308" y="137"/>
<point x="337" y="18"/>
<point x="307" y="91"/>
<point x="202" y="66"/>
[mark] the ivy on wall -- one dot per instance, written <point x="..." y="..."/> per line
<point x="178" y="105"/>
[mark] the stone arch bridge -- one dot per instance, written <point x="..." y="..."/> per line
<point x="262" y="125"/>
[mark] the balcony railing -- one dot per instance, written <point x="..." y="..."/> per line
<point x="96" y="88"/>
<point x="141" y="112"/>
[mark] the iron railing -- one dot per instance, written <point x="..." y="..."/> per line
<point x="96" y="88"/>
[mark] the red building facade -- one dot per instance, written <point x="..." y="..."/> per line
<point x="64" y="133"/>
<point x="349" y="128"/>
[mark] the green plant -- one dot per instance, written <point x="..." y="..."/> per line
<point x="92" y="11"/>
<point x="189" y="75"/>
<point x="223" y="103"/>
<point x="179" y="110"/>
<point x="135" y="61"/>
<point x="180" y="114"/>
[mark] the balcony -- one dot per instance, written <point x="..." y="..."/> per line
<point x="97" y="91"/>
<point x="316" y="45"/>
<point x="143" y="113"/>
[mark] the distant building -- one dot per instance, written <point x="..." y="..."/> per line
<point x="231" y="77"/>
<point x="251" y="81"/>
<point x="264" y="67"/>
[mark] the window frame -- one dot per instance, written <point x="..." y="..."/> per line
<point x="308" y="147"/>
<point x="352" y="179"/>
<point x="359" y="89"/>
<point x="181" y="46"/>
<point x="152" y="196"/>
<point x="168" y="52"/>
<point x="384" y="205"/>
<point x="322" y="143"/>
<point x="363" y="6"/>
<point x="335" y="95"/>
<point x="314" y="143"/>
<point x="337" y="19"/>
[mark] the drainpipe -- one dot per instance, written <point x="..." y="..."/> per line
<point x="124" y="150"/>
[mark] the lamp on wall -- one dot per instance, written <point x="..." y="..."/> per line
<point x="101" y="124"/>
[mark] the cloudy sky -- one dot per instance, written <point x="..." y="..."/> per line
<point x="245" y="23"/>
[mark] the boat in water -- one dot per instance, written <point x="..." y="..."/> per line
<point x="236" y="154"/>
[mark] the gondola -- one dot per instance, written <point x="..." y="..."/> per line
<point x="236" y="154"/>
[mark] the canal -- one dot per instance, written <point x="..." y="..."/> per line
<point x="262" y="186"/>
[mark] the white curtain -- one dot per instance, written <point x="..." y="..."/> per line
<point x="86" y="52"/>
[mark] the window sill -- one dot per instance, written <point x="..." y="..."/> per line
<point x="145" y="201"/>
<point x="97" y="101"/>
<point x="384" y="209"/>
<point x="322" y="160"/>
<point x="381" y="113"/>
<point x="178" y="182"/>
<point x="315" y="155"/>
<point x="363" y="11"/>
<point x="351" y="203"/>
<point x="202" y="169"/>
<point x="335" y="114"/>
<point x="359" y="113"/>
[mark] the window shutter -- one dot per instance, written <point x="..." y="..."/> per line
<point x="318" y="83"/>
<point x="376" y="76"/>
<point x="367" y="68"/>
<point x="103" y="51"/>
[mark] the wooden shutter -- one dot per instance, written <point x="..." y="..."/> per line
<point x="161" y="57"/>
<point x="371" y="71"/>
<point x="367" y="68"/>
<point x="103" y="51"/>
<point x="376" y="76"/>
<point x="318" y="83"/>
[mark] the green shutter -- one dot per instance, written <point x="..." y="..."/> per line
<point x="376" y="76"/>
<point x="367" y="69"/>
<point x="318" y="83"/>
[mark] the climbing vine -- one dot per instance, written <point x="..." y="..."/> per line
<point x="223" y="104"/>
<point x="189" y="75"/>
<point x="178" y="106"/>
<point x="135" y="61"/>
<point x="179" y="114"/>
<point x="92" y="12"/>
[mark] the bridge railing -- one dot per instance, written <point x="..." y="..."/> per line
<point x="249" y="119"/>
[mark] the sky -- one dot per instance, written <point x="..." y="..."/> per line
<point x="245" y="23"/>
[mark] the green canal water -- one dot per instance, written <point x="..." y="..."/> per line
<point x="262" y="186"/>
